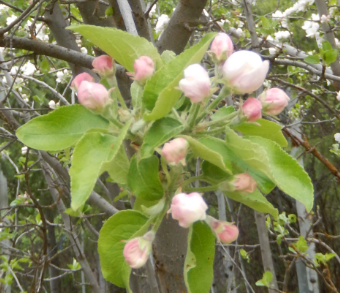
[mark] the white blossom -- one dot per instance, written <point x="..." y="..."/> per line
<point x="162" y="22"/>
<point x="337" y="43"/>
<point x="24" y="150"/>
<point x="315" y="17"/>
<point x="325" y="18"/>
<point x="63" y="76"/>
<point x="51" y="104"/>
<point x="3" y="8"/>
<point x="338" y="96"/>
<point x="28" y="68"/>
<point x="281" y="35"/>
<point x="153" y="11"/>
<point x="10" y="19"/>
<point x="14" y="70"/>
<point x="240" y="32"/>
<point x="337" y="137"/>
<point x="83" y="50"/>
<point x="313" y="30"/>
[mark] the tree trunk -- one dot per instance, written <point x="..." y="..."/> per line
<point x="5" y="242"/>
<point x="266" y="253"/>
<point x="169" y="250"/>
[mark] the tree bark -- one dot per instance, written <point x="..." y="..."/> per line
<point x="177" y="34"/>
<point x="169" y="250"/>
<point x="6" y="243"/>
<point x="266" y="252"/>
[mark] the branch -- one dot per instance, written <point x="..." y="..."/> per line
<point x="329" y="36"/>
<point x="176" y="35"/>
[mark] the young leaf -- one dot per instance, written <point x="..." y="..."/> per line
<point x="118" y="228"/>
<point x="330" y="56"/>
<point x="289" y="176"/>
<point x="254" y="200"/>
<point x="120" y="45"/>
<point x="118" y="167"/>
<point x="266" y="129"/>
<point x="160" y="93"/>
<point x="312" y="59"/>
<point x="89" y="155"/>
<point x="250" y="157"/>
<point x="301" y="244"/>
<point x="160" y="132"/>
<point x="168" y="56"/>
<point x="136" y="95"/>
<point x="59" y="129"/>
<point x="143" y="178"/>
<point x="266" y="279"/>
<point x="216" y="155"/>
<point x="222" y="112"/>
<point x="198" y="266"/>
<point x="213" y="174"/>
<point x="326" y="46"/>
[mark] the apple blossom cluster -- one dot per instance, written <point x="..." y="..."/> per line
<point x="240" y="72"/>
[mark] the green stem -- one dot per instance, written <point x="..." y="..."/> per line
<point x="217" y="121"/>
<point x="165" y="170"/>
<point x="193" y="114"/>
<point x="190" y="180"/>
<point x="113" y="83"/>
<point x="201" y="189"/>
<point x="223" y="93"/>
<point x="161" y="216"/>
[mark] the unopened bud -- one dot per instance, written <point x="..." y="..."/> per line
<point x="244" y="182"/>
<point x="104" y="65"/>
<point x="225" y="232"/>
<point x="144" y="69"/>
<point x="188" y="208"/>
<point x="137" y="251"/>
<point x="79" y="79"/>
<point x="93" y="96"/>
<point x="196" y="83"/>
<point x="244" y="71"/>
<point x="273" y="101"/>
<point x="175" y="151"/>
<point x="221" y="47"/>
<point x="251" y="109"/>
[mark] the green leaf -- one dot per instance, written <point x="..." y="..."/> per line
<point x="266" y="279"/>
<point x="212" y="150"/>
<point x="118" y="228"/>
<point x="213" y="174"/>
<point x="118" y="167"/>
<point x="136" y="95"/>
<point x="143" y="178"/>
<point x="160" y="93"/>
<point x="250" y="157"/>
<point x="312" y="59"/>
<point x="109" y="11"/>
<point x="198" y="267"/>
<point x="89" y="155"/>
<point x="254" y="200"/>
<point x="265" y="22"/>
<point x="289" y="176"/>
<point x="160" y="132"/>
<point x="222" y="112"/>
<point x="168" y="56"/>
<point x="59" y="129"/>
<point x="122" y="46"/>
<point x="330" y="56"/>
<point x="266" y="129"/>
<point x="301" y="244"/>
<point x="326" y="46"/>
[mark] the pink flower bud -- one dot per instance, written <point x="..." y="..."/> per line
<point x="188" y="208"/>
<point x="196" y="83"/>
<point x="93" y="96"/>
<point x="144" y="69"/>
<point x="137" y="251"/>
<point x="244" y="182"/>
<point x="245" y="72"/>
<point x="221" y="47"/>
<point x="251" y="109"/>
<point x="274" y="101"/>
<point x="175" y="151"/>
<point x="226" y="232"/>
<point x="79" y="79"/>
<point x="103" y="65"/>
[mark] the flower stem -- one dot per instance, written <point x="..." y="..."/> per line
<point x="201" y="189"/>
<point x="193" y="114"/>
